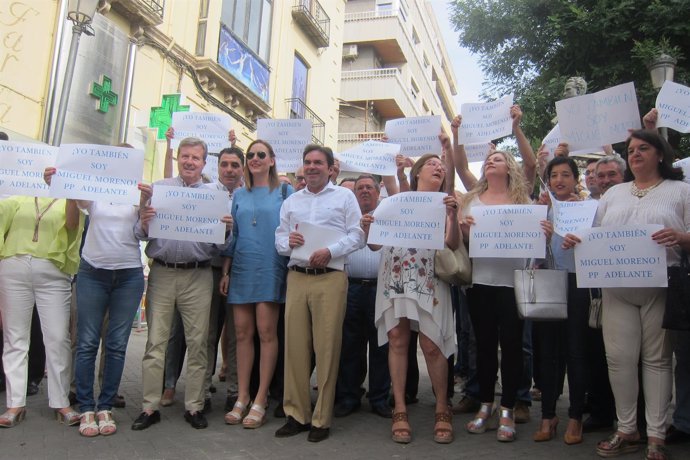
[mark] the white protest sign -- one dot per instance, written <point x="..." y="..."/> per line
<point x="482" y="122"/>
<point x="21" y="171"/>
<point x="572" y="216"/>
<point x="410" y="220"/>
<point x="552" y="140"/>
<point x="315" y="238"/>
<point x="416" y="135"/>
<point x="188" y="214"/>
<point x="673" y="104"/>
<point x="476" y="152"/>
<point x="593" y="120"/>
<point x="212" y="128"/>
<point x="508" y="231"/>
<point x="211" y="168"/>
<point x="370" y="157"/>
<point x="684" y="164"/>
<point x="98" y="173"/>
<point x="624" y="256"/>
<point x="288" y="139"/>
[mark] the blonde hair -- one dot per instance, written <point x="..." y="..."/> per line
<point x="517" y="185"/>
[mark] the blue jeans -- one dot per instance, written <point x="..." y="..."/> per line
<point x="358" y="330"/>
<point x="117" y="293"/>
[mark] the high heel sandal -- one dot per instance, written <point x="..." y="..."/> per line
<point x="484" y="420"/>
<point x="88" y="426"/>
<point x="576" y="438"/>
<point x="506" y="433"/>
<point x="237" y="414"/>
<point x="401" y="431"/>
<point x="12" y="419"/>
<point x="443" y="428"/>
<point x="547" y="430"/>
<point x="252" y="421"/>
<point x="69" y="418"/>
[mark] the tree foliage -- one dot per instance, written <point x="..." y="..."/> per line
<point x="531" y="47"/>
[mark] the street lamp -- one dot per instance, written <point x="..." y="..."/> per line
<point x="80" y="12"/>
<point x="662" y="69"/>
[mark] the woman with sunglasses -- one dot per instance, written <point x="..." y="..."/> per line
<point x="258" y="278"/>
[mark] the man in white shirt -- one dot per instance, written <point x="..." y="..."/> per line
<point x="316" y="293"/>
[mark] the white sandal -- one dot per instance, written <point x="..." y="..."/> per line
<point x="88" y="426"/>
<point x="255" y="421"/>
<point x="237" y="414"/>
<point x="106" y="423"/>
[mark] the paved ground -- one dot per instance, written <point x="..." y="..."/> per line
<point x="362" y="435"/>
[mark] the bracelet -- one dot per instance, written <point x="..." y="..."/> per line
<point x="226" y="274"/>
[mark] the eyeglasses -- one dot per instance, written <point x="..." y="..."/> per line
<point x="300" y="178"/>
<point x="261" y="155"/>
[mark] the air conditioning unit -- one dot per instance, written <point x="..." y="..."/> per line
<point x="350" y="52"/>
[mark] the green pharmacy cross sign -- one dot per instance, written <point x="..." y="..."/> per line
<point x="106" y="96"/>
<point x="161" y="117"/>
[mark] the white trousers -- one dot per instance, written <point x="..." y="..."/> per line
<point x="25" y="281"/>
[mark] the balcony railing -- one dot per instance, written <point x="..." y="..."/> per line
<point x="314" y="21"/>
<point x="145" y="12"/>
<point x="371" y="73"/>
<point x="298" y="109"/>
<point x="361" y="136"/>
<point x="362" y="15"/>
<point x="157" y="6"/>
<point x="379" y="84"/>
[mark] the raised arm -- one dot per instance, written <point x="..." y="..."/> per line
<point x="529" y="160"/>
<point x="462" y="167"/>
<point x="168" y="164"/>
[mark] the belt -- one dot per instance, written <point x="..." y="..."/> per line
<point x="184" y="265"/>
<point x="313" y="271"/>
<point x="363" y="281"/>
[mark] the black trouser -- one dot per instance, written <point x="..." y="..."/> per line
<point x="561" y="341"/>
<point x="495" y="319"/>
<point x="602" y="404"/>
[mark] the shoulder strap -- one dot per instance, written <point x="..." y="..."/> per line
<point x="283" y="190"/>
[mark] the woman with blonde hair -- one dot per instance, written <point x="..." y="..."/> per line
<point x="254" y="278"/>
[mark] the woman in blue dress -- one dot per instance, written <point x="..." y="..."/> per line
<point x="256" y="283"/>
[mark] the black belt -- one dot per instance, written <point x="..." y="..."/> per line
<point x="184" y="265"/>
<point x="313" y="271"/>
<point x="363" y="281"/>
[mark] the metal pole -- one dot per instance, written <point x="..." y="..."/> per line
<point x="54" y="67"/>
<point x="67" y="84"/>
<point x="127" y="96"/>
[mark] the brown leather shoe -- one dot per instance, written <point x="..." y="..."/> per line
<point x="466" y="405"/>
<point x="522" y="412"/>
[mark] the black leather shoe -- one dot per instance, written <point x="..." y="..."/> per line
<point x="675" y="436"/>
<point x="31" y="388"/>
<point x="119" y="401"/>
<point x="344" y="409"/>
<point x="382" y="410"/>
<point x="207" y="406"/>
<point x="212" y="388"/>
<point x="197" y="419"/>
<point x="230" y="402"/>
<point x="592" y="424"/>
<point x="292" y="428"/>
<point x="146" y="420"/>
<point x="278" y="412"/>
<point x="318" y="434"/>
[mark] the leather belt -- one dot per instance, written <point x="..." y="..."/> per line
<point x="313" y="271"/>
<point x="363" y="281"/>
<point x="184" y="265"/>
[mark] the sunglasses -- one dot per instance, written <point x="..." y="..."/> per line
<point x="261" y="155"/>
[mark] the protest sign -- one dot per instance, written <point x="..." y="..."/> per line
<point x="370" y="157"/>
<point x="211" y="167"/>
<point x="98" y="173"/>
<point x="288" y="139"/>
<point x="482" y="122"/>
<point x="315" y="238"/>
<point x="410" y="220"/>
<point x="673" y="104"/>
<point x="212" y="128"/>
<point x="593" y="120"/>
<point x="21" y="172"/>
<point x="624" y="256"/>
<point x="188" y="214"/>
<point x="477" y="152"/>
<point x="572" y="216"/>
<point x="416" y="135"/>
<point x="508" y="231"/>
<point x="684" y="164"/>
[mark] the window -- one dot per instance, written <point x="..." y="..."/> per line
<point x="415" y="37"/>
<point x="300" y="75"/>
<point x="414" y="89"/>
<point x="250" y="21"/>
<point x="201" y="28"/>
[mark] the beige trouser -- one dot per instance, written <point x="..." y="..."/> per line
<point x="190" y="291"/>
<point x="314" y="314"/>
<point x="632" y="330"/>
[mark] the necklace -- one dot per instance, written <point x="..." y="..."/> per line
<point x="641" y="192"/>
<point x="253" y="208"/>
<point x="39" y="216"/>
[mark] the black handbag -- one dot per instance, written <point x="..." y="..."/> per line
<point x="677" y="313"/>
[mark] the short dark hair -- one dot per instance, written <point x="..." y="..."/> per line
<point x="591" y="160"/>
<point x="233" y="151"/>
<point x="419" y="164"/>
<point x="562" y="161"/>
<point x="368" y="176"/>
<point x="663" y="148"/>
<point x="348" y="179"/>
<point x="4" y="136"/>
<point x="328" y="153"/>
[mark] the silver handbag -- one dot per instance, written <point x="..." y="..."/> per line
<point x="541" y="294"/>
